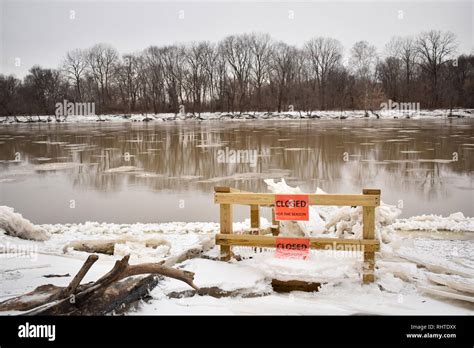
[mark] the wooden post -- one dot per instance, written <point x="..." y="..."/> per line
<point x="255" y="221"/>
<point x="275" y="224"/>
<point x="254" y="217"/>
<point x="226" y="228"/>
<point x="368" y="219"/>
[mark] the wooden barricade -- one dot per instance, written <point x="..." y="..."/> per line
<point x="368" y="245"/>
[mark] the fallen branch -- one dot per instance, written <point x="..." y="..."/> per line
<point x="71" y="288"/>
<point x="116" y="289"/>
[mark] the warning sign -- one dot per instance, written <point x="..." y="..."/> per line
<point x="292" y="248"/>
<point x="292" y="207"/>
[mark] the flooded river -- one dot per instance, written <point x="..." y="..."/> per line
<point x="158" y="172"/>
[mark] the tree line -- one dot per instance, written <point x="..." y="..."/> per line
<point x="249" y="72"/>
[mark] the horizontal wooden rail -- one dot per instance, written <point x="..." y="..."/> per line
<point x="366" y="245"/>
<point x="225" y="189"/>
<point x="244" y="198"/>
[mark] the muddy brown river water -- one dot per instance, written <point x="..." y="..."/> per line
<point x="158" y="172"/>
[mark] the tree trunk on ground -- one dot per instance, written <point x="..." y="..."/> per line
<point x="109" y="293"/>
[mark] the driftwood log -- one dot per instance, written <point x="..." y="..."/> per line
<point x="108" y="246"/>
<point x="123" y="285"/>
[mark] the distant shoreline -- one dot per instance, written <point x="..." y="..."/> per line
<point x="216" y="116"/>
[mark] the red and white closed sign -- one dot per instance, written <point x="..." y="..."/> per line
<point x="292" y="207"/>
<point x="292" y="248"/>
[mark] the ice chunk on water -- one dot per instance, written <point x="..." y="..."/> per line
<point x="56" y="166"/>
<point x="123" y="169"/>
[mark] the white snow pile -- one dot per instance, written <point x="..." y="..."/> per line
<point x="139" y="240"/>
<point x="14" y="224"/>
<point x="100" y="230"/>
<point x="240" y="227"/>
<point x="339" y="222"/>
<point x="135" y="239"/>
<point x="322" y="266"/>
<point x="455" y="222"/>
<point x="225" y="276"/>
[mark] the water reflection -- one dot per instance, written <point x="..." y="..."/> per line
<point x="125" y="171"/>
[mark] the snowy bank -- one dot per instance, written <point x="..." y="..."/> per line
<point x="415" y="274"/>
<point x="251" y="115"/>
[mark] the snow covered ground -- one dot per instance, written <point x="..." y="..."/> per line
<point x="332" y="114"/>
<point x="425" y="266"/>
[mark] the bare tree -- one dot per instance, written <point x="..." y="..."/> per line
<point x="237" y="51"/>
<point x="390" y="72"/>
<point x="303" y="74"/>
<point x="154" y="77"/>
<point x="363" y="62"/>
<point x="404" y="48"/>
<point x="74" y="66"/>
<point x="211" y="62"/>
<point x="457" y="85"/>
<point x="173" y="64"/>
<point x="9" y="89"/>
<point x="221" y="82"/>
<point x="435" y="49"/>
<point x="325" y="55"/>
<point x="47" y="88"/>
<point x="261" y="49"/>
<point x="342" y="86"/>
<point x="195" y="57"/>
<point x="102" y="59"/>
<point x="128" y="77"/>
<point x="283" y="70"/>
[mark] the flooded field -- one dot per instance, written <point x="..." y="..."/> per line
<point x="158" y="172"/>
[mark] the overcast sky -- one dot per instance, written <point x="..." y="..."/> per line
<point x="41" y="32"/>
